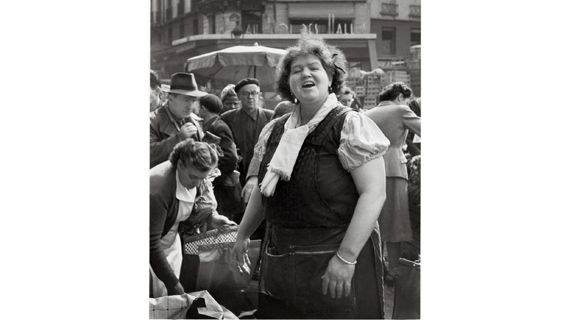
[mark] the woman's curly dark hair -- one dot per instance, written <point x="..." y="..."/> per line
<point x="200" y="155"/>
<point x="332" y="59"/>
<point x="393" y="90"/>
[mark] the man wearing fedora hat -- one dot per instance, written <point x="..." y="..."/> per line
<point x="174" y="121"/>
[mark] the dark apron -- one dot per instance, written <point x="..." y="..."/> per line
<point x="291" y="276"/>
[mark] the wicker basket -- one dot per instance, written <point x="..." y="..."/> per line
<point x="212" y="239"/>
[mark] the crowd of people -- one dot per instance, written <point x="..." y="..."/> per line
<point x="326" y="185"/>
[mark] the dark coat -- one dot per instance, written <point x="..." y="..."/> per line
<point x="228" y="162"/>
<point x="163" y="213"/>
<point x="245" y="131"/>
<point x="395" y="121"/>
<point x="165" y="134"/>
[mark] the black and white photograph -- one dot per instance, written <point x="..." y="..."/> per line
<point x="285" y="159"/>
<point x="283" y="177"/>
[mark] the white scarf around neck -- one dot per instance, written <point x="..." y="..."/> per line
<point x="283" y="161"/>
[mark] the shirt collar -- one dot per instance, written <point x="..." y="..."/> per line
<point x="253" y="115"/>
<point x="386" y="103"/>
<point x="182" y="193"/>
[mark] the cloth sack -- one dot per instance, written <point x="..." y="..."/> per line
<point x="217" y="273"/>
<point x="194" y="305"/>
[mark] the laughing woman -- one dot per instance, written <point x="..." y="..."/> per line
<point x="322" y="188"/>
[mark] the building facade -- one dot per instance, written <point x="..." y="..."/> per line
<point x="369" y="32"/>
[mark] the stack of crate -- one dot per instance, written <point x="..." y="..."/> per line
<point x="366" y="86"/>
<point x="360" y="91"/>
<point x="370" y="102"/>
<point x="414" y="67"/>
<point x="351" y="83"/>
<point x="395" y="76"/>
<point x="373" y="86"/>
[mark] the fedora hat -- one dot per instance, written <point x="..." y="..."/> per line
<point x="185" y="83"/>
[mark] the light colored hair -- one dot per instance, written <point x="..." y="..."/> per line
<point x="228" y="91"/>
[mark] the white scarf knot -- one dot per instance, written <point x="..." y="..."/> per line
<point x="283" y="161"/>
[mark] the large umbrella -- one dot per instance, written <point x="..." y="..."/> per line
<point x="235" y="63"/>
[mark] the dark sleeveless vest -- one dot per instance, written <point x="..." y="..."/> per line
<point x="320" y="193"/>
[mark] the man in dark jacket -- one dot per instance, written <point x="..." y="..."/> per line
<point x="246" y="124"/>
<point x="226" y="187"/>
<point x="174" y="121"/>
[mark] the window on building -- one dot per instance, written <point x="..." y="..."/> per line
<point x="415" y="37"/>
<point x="212" y="24"/>
<point x="180" y="7"/>
<point x="388" y="42"/>
<point x="195" y="29"/>
<point x="389" y="8"/>
<point x="181" y="30"/>
<point x="168" y="11"/>
<point x="251" y="21"/>
<point x="415" y="11"/>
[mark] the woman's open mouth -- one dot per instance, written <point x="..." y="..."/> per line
<point x="308" y="84"/>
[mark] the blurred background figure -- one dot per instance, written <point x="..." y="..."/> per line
<point x="348" y="98"/>
<point x="229" y="98"/>
<point x="164" y="93"/>
<point x="227" y="188"/>
<point x="395" y="118"/>
<point x="246" y="124"/>
<point x="413" y="141"/>
<point x="155" y="91"/>
<point x="174" y="121"/>
<point x="282" y="108"/>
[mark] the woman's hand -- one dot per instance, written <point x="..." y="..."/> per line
<point x="202" y="211"/>
<point x="218" y="221"/>
<point x="338" y="278"/>
<point x="239" y="256"/>
<point x="248" y="189"/>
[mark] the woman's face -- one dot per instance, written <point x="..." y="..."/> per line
<point x="231" y="102"/>
<point x="308" y="80"/>
<point x="346" y="99"/>
<point x="190" y="177"/>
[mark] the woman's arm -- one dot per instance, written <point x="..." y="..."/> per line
<point x="370" y="181"/>
<point x="158" y="261"/>
<point x="251" y="219"/>
<point x="253" y="215"/>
